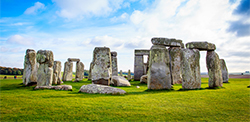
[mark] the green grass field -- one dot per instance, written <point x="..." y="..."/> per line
<point x="21" y="103"/>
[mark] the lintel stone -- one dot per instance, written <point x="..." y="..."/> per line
<point x="73" y="59"/>
<point x="142" y="52"/>
<point x="167" y="42"/>
<point x="202" y="46"/>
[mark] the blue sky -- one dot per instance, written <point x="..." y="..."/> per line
<point x="73" y="28"/>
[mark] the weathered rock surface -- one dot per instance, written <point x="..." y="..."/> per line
<point x="201" y="46"/>
<point x="224" y="71"/>
<point x="140" y="68"/>
<point x="30" y="68"/>
<point x="119" y="81"/>
<point x="59" y="87"/>
<point x="57" y="73"/>
<point x="167" y="42"/>
<point x="175" y="56"/>
<point x="159" y="75"/>
<point x="214" y="69"/>
<point x="90" y="68"/>
<point x="144" y="79"/>
<point x="100" y="89"/>
<point x="129" y="75"/>
<point x="45" y="59"/>
<point x="102" y="66"/>
<point x="191" y="78"/>
<point x="79" y="71"/>
<point x="67" y="73"/>
<point x="114" y="64"/>
<point x="73" y="59"/>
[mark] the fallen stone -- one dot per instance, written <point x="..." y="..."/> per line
<point x="59" y="87"/>
<point x="79" y="71"/>
<point x="102" y="66"/>
<point x="191" y="78"/>
<point x="175" y="56"/>
<point x="214" y="69"/>
<point x="45" y="58"/>
<point x="57" y="73"/>
<point x="201" y="46"/>
<point x="224" y="71"/>
<point x="144" y="79"/>
<point x="167" y="42"/>
<point x="100" y="89"/>
<point x="30" y="68"/>
<point x="119" y="81"/>
<point x="159" y="75"/>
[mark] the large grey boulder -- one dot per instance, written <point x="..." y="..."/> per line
<point x="144" y="79"/>
<point x="119" y="81"/>
<point x="101" y="71"/>
<point x="159" y="75"/>
<point x="79" y="71"/>
<point x="45" y="58"/>
<point x="224" y="71"/>
<point x="30" y="68"/>
<point x="167" y="42"/>
<point x="67" y="73"/>
<point x="190" y="60"/>
<point x="201" y="46"/>
<point x="114" y="64"/>
<point x="57" y="72"/>
<point x="59" y="87"/>
<point x="100" y="89"/>
<point x="175" y="61"/>
<point x="214" y="69"/>
<point x="129" y="75"/>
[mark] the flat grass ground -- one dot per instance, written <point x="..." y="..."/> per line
<point x="21" y="103"/>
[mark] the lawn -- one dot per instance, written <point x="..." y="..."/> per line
<point x="230" y="103"/>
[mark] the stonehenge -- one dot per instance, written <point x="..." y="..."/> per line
<point x="140" y="68"/>
<point x="68" y="70"/>
<point x="179" y="65"/>
<point x="30" y="68"/>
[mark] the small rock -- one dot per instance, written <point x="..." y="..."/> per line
<point x="137" y="87"/>
<point x="144" y="79"/>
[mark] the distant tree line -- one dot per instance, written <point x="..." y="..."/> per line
<point x="10" y="71"/>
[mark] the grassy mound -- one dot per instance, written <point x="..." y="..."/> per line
<point x="230" y="103"/>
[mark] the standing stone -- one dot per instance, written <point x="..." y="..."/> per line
<point x="67" y="73"/>
<point x="120" y="73"/>
<point x="140" y="68"/>
<point x="224" y="71"/>
<point x="79" y="71"/>
<point x="30" y="68"/>
<point x="159" y="76"/>
<point x="191" y="78"/>
<point x="45" y="59"/>
<point x="57" y="72"/>
<point x="114" y="64"/>
<point x="214" y="69"/>
<point x="90" y="67"/>
<point x="175" y="61"/>
<point x="129" y="75"/>
<point x="102" y="66"/>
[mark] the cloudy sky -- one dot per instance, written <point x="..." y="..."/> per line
<point x="73" y="28"/>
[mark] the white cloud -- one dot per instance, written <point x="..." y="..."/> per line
<point x="122" y="18"/>
<point x="34" y="9"/>
<point x="18" y="39"/>
<point x="78" y="9"/>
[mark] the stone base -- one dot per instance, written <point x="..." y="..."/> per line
<point x="102" y="82"/>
